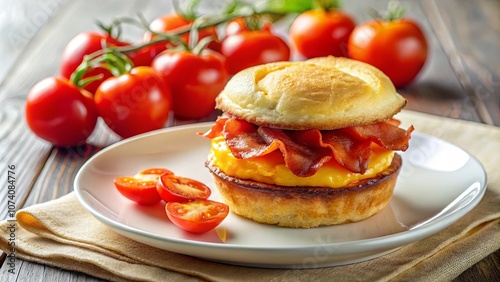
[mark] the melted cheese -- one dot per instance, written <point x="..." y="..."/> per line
<point x="271" y="168"/>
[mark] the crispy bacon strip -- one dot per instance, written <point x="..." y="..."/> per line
<point x="216" y="129"/>
<point x="244" y="141"/>
<point x="305" y="151"/>
<point x="384" y="134"/>
<point x="303" y="160"/>
<point x="349" y="152"/>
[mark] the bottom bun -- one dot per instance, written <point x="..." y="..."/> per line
<point x="306" y="207"/>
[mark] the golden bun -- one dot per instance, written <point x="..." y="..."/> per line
<point x="306" y="207"/>
<point x="322" y="93"/>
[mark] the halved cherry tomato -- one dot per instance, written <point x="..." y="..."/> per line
<point x="197" y="216"/>
<point x="154" y="172"/>
<point x="141" y="188"/>
<point x="172" y="188"/>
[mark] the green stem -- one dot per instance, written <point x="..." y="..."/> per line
<point x="189" y="13"/>
<point x="116" y="62"/>
<point x="201" y="45"/>
<point x="394" y="12"/>
<point x="326" y="5"/>
<point x="171" y="36"/>
<point x="119" y="63"/>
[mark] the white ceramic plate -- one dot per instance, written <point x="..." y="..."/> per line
<point x="438" y="184"/>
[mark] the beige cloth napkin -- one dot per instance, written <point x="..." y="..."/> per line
<point x="61" y="233"/>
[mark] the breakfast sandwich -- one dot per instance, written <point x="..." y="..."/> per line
<point x="309" y="143"/>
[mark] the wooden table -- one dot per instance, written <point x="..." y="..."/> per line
<point x="460" y="80"/>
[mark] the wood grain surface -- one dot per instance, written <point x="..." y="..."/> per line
<point x="460" y="80"/>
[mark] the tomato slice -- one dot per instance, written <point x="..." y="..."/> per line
<point x="153" y="173"/>
<point x="141" y="188"/>
<point x="197" y="216"/>
<point x="173" y="188"/>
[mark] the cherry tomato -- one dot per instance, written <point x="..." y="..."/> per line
<point x="59" y="112"/>
<point x="195" y="80"/>
<point x="83" y="44"/>
<point x="145" y="55"/>
<point x="87" y="43"/>
<point x="141" y="188"/>
<point x="174" y="22"/>
<point x="249" y="48"/>
<point x="197" y="216"/>
<point x="135" y="102"/>
<point x="155" y="172"/>
<point x="318" y="33"/>
<point x="238" y="25"/>
<point x="398" y="48"/>
<point x="173" y="188"/>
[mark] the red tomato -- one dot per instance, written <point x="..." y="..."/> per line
<point x="134" y="103"/>
<point x="251" y="48"/>
<point x="398" y="48"/>
<point x="195" y="80"/>
<point x="141" y="188"/>
<point x="197" y="216"/>
<point x="87" y="43"/>
<point x="145" y="55"/>
<point x="175" y="22"/>
<point x="318" y="33"/>
<point x="84" y="44"/>
<point x="239" y="24"/>
<point x="57" y="111"/>
<point x="156" y="172"/>
<point x="172" y="188"/>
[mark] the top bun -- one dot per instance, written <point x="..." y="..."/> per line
<point x="322" y="93"/>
